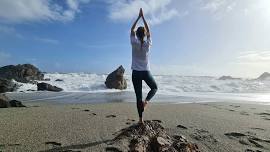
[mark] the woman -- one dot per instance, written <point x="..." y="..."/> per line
<point x="140" y="64"/>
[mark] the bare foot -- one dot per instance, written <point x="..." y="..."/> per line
<point x="141" y="121"/>
<point x="145" y="104"/>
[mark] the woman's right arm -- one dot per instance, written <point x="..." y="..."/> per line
<point x="146" y="26"/>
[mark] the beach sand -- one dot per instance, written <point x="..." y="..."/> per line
<point x="216" y="126"/>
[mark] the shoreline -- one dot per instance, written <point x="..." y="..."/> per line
<point x="84" y="127"/>
<point x="129" y="97"/>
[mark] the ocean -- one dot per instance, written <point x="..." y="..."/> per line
<point x="85" y="87"/>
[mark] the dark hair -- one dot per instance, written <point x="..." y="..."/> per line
<point x="140" y="33"/>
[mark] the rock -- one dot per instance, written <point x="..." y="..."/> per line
<point x="15" y="103"/>
<point x="228" y="78"/>
<point x="150" y="137"/>
<point x="30" y="90"/>
<point x="264" y="76"/>
<point x="21" y="73"/>
<point x="160" y="143"/>
<point x="116" y="79"/>
<point x="47" y="87"/>
<point x="47" y="79"/>
<point x="59" y="80"/>
<point x="5" y="102"/>
<point x="7" y="85"/>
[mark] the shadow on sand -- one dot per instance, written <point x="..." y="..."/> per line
<point x="71" y="148"/>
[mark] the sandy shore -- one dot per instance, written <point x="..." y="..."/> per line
<point x="88" y="127"/>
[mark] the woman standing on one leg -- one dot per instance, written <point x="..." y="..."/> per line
<point x="140" y="64"/>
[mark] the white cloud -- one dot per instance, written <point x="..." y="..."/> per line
<point x="10" y="31"/>
<point x="46" y="40"/>
<point x="17" y="11"/>
<point x="101" y="45"/>
<point x="213" y="5"/>
<point x="251" y="63"/>
<point x="157" y="10"/>
<point x="7" y="30"/>
<point x="217" y="5"/>
<point x="256" y="57"/>
<point x="218" y="8"/>
<point x="4" y="57"/>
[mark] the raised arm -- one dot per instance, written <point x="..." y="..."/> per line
<point x="132" y="31"/>
<point x="145" y="25"/>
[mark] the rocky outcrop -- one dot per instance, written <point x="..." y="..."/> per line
<point x="59" y="80"/>
<point x="116" y="80"/>
<point x="228" y="78"/>
<point x="47" y="87"/>
<point x="5" y="102"/>
<point x="264" y="76"/>
<point x="21" y="73"/>
<point x="16" y="103"/>
<point x="7" y="85"/>
<point x="150" y="137"/>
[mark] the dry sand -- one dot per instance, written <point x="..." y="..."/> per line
<point x="89" y="127"/>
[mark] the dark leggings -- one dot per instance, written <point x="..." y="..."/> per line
<point x="137" y="77"/>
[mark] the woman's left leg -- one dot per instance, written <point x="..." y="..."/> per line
<point x="137" y="83"/>
<point x="150" y="81"/>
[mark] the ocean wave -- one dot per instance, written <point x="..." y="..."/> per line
<point x="168" y="85"/>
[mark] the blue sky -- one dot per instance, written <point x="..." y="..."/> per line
<point x="195" y="37"/>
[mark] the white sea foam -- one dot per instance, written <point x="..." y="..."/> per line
<point x="168" y="85"/>
<point x="192" y="86"/>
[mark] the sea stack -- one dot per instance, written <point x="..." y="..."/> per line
<point x="116" y="80"/>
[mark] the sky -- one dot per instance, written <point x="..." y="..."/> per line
<point x="194" y="37"/>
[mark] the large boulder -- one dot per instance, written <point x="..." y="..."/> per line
<point x="150" y="137"/>
<point x="7" y="85"/>
<point x="48" y="87"/>
<point x="264" y="76"/>
<point x="116" y="80"/>
<point x="21" y="73"/>
<point x="5" y="102"/>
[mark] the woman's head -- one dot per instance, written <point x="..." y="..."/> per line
<point x="140" y="33"/>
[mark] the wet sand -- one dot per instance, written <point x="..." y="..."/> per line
<point x="217" y="126"/>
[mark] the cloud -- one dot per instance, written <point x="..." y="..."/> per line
<point x="213" y="5"/>
<point x="251" y="63"/>
<point x="10" y="31"/>
<point x="158" y="11"/>
<point x="217" y="8"/>
<point x="252" y="57"/>
<point x="217" y="5"/>
<point x="4" y="57"/>
<point x="18" y="11"/>
<point x="101" y="45"/>
<point x="46" y="40"/>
